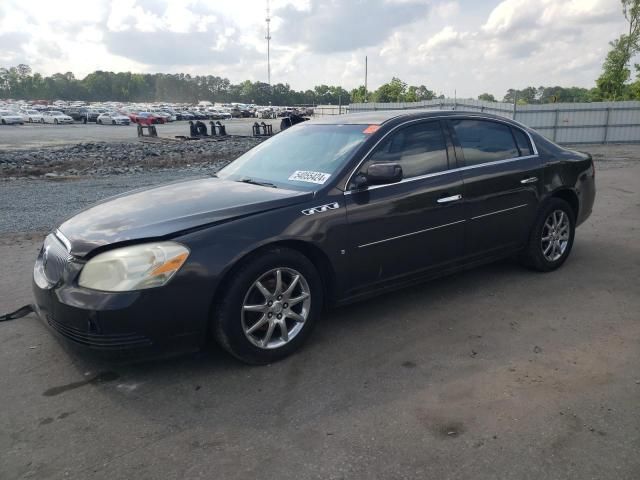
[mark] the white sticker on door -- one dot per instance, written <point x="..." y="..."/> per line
<point x="311" y="177"/>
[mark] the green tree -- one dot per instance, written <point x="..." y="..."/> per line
<point x="393" y="91"/>
<point x="358" y="95"/>
<point x="612" y="83"/>
<point x="487" y="97"/>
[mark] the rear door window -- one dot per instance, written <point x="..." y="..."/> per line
<point x="484" y="141"/>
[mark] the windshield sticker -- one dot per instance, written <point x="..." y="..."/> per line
<point x="310" y="177"/>
<point x="371" y="129"/>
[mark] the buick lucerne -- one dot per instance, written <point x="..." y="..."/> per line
<point x="328" y="212"/>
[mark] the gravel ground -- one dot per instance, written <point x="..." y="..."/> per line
<point x="39" y="205"/>
<point x="99" y="159"/>
<point x="495" y="373"/>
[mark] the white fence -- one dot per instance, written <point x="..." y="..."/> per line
<point x="602" y="122"/>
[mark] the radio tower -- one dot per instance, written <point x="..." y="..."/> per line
<point x="268" y="39"/>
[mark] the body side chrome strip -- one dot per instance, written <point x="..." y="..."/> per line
<point x="410" y="234"/>
<point x="500" y="211"/>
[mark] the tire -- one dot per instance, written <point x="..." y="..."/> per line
<point x="549" y="246"/>
<point x="113" y="122"/>
<point x="100" y="122"/>
<point x="230" y="319"/>
<point x="4" y="121"/>
<point x="42" y="120"/>
<point x="30" y="120"/>
<point x="55" y="120"/>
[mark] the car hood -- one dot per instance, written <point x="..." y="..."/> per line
<point x="169" y="209"/>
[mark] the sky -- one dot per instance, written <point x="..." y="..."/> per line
<point x="464" y="46"/>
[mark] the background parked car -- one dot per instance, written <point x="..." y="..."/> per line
<point x="56" y="117"/>
<point x="113" y="118"/>
<point x="167" y="117"/>
<point x="7" y="118"/>
<point x="32" y="116"/>
<point x="145" y="118"/>
<point x="82" y="114"/>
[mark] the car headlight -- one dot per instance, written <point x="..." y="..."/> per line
<point x="134" y="268"/>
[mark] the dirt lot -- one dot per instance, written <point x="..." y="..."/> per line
<point x="36" y="135"/>
<point x="494" y="373"/>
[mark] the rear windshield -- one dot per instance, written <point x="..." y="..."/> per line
<point x="303" y="157"/>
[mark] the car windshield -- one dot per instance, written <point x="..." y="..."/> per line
<point x="302" y="158"/>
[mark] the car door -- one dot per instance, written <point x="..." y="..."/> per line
<point x="502" y="177"/>
<point x="415" y="224"/>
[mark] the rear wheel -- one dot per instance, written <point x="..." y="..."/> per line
<point x="269" y="307"/>
<point x="552" y="236"/>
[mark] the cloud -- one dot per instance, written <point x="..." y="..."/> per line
<point x="329" y="26"/>
<point x="13" y="44"/>
<point x="171" y="49"/>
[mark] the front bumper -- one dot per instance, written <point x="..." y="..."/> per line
<point x="142" y="323"/>
<point x="114" y="325"/>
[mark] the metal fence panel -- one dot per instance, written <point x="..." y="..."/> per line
<point x="600" y="122"/>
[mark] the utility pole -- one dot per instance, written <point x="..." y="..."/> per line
<point x="268" y="39"/>
<point x="366" y="67"/>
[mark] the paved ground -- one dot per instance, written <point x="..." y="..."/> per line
<point x="494" y="373"/>
<point x="37" y="135"/>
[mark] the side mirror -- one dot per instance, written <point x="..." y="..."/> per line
<point x="383" y="173"/>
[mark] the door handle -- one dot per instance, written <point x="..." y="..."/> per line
<point x="453" y="198"/>
<point x="529" y="180"/>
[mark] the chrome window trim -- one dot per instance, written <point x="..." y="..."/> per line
<point x="410" y="234"/>
<point x="509" y="123"/>
<point x="499" y="211"/>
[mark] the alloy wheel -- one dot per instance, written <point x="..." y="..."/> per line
<point x="555" y="235"/>
<point x="276" y="308"/>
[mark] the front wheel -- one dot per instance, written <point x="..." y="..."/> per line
<point x="55" y="121"/>
<point x="269" y="307"/>
<point x="552" y="236"/>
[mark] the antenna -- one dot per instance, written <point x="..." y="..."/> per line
<point x="366" y="73"/>
<point x="268" y="39"/>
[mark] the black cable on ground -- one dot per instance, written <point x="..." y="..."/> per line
<point x="21" y="312"/>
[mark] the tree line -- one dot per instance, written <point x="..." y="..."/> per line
<point x="21" y="82"/>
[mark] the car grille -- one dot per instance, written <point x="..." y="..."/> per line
<point x="98" y="340"/>
<point x="54" y="258"/>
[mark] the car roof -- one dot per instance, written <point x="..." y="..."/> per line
<point x="380" y="117"/>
